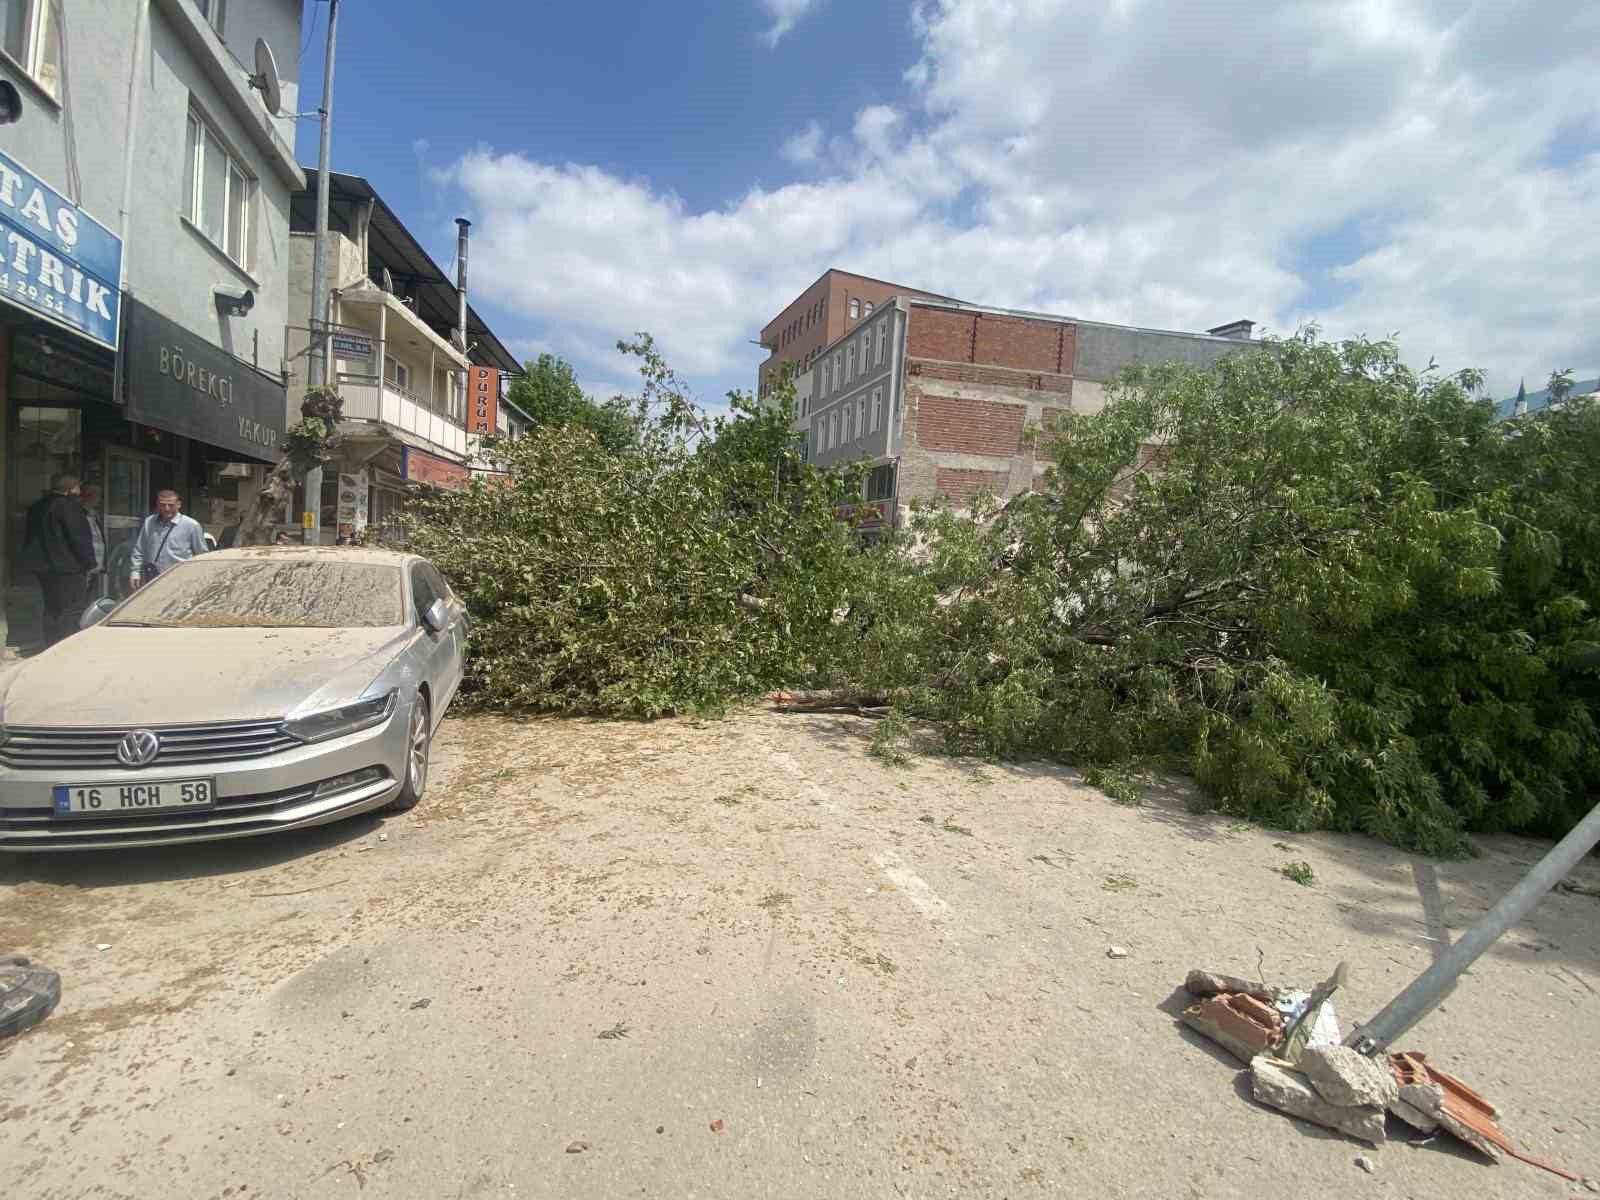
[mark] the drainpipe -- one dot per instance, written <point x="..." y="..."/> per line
<point x="462" y="225"/>
<point x="130" y="134"/>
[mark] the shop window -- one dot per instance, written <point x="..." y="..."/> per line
<point x="219" y="193"/>
<point x="32" y="38"/>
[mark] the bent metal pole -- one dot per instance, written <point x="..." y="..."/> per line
<point x="1418" y="1000"/>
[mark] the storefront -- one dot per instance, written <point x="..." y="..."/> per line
<point x="189" y="417"/>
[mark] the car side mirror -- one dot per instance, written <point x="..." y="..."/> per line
<point x="437" y="617"/>
<point x="96" y="612"/>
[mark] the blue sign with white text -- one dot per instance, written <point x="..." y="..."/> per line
<point x="55" y="259"/>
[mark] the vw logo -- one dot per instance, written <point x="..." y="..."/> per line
<point x="138" y="748"/>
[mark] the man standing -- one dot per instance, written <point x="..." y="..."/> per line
<point x="90" y="498"/>
<point x="60" y="550"/>
<point x="166" y="538"/>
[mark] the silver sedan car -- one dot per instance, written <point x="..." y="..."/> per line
<point x="242" y="692"/>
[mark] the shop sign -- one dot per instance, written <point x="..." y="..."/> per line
<point x="179" y="382"/>
<point x="483" y="400"/>
<point x="420" y="467"/>
<point x="352" y="345"/>
<point x="55" y="259"/>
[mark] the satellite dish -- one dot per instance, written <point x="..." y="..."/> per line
<point x="388" y="281"/>
<point x="266" y="77"/>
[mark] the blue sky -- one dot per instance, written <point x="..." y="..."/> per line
<point x="1411" y="166"/>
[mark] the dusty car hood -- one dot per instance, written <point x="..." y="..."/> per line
<point x="110" y="675"/>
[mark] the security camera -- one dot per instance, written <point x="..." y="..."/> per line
<point x="234" y="302"/>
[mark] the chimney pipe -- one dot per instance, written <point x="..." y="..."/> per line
<point x="462" y="224"/>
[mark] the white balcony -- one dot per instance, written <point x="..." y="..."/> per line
<point x="366" y="398"/>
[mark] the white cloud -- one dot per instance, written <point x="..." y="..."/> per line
<point x="804" y="145"/>
<point x="786" y="14"/>
<point x="1379" y="166"/>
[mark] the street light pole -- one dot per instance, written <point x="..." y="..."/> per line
<point x="317" y="364"/>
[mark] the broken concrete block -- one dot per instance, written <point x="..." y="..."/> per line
<point x="1243" y="1025"/>
<point x="1414" y="1116"/>
<point x="1343" y="1077"/>
<point x="1292" y="1093"/>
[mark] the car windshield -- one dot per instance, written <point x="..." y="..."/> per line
<point x="209" y="593"/>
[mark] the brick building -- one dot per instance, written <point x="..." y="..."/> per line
<point x="937" y="395"/>
<point x="822" y="314"/>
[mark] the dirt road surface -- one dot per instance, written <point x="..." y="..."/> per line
<point x="745" y="959"/>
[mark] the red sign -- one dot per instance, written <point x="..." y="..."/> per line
<point x="421" y="467"/>
<point x="483" y="400"/>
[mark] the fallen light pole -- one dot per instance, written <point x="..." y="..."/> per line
<point x="1418" y="1000"/>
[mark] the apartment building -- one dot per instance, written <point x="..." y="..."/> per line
<point x="937" y="397"/>
<point x="398" y="359"/>
<point x="822" y="314"/>
<point x="144" y="199"/>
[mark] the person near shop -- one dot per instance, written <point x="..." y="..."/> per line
<point x="89" y="497"/>
<point x="166" y="539"/>
<point x="59" y="549"/>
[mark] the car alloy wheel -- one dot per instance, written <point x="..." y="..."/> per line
<point x="417" y="748"/>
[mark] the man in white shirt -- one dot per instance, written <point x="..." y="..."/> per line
<point x="166" y="539"/>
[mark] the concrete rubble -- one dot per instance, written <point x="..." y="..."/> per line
<point x="1344" y="1077"/>
<point x="1285" y="1089"/>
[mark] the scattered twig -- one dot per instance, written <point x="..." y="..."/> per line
<point x="300" y="892"/>
<point x="619" y="1030"/>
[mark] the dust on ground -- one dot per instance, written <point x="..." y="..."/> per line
<point x="881" y="982"/>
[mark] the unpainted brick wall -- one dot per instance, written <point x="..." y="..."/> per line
<point x="991" y="339"/>
<point x="969" y="426"/>
<point x="961" y="484"/>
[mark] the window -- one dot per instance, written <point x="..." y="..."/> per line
<point x="877" y="409"/>
<point x="32" y="39"/>
<point x="861" y="416"/>
<point x="880" y="482"/>
<point x="833" y="428"/>
<point x="827" y="377"/>
<point x="869" y="308"/>
<point x="850" y="362"/>
<point x="212" y="11"/>
<point x="397" y="372"/>
<point x="219" y="193"/>
<point x="882" y="325"/>
<point x="855" y="310"/>
<point x="838" y="369"/>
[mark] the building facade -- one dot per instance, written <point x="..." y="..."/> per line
<point x="819" y="316"/>
<point x="946" y="399"/>
<point x="398" y="359"/>
<point x="144" y="201"/>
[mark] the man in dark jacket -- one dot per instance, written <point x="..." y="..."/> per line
<point x="60" y="550"/>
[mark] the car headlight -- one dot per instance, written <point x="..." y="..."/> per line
<point x="347" y="718"/>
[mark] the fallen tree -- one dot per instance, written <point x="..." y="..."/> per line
<point x="1340" y="593"/>
<point x="681" y="570"/>
<point x="1337" y="592"/>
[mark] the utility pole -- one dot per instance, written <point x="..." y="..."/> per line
<point x="317" y="355"/>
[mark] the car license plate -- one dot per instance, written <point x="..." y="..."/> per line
<point x="131" y="799"/>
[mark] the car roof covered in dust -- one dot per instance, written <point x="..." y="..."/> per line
<point x="355" y="554"/>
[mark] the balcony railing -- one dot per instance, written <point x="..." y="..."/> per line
<point x="366" y="398"/>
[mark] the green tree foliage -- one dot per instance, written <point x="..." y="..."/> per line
<point x="548" y="392"/>
<point x="681" y="570"/>
<point x="1338" y="592"/>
